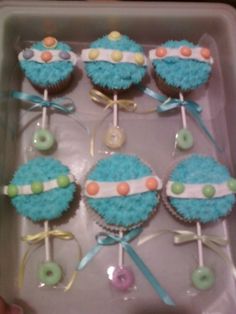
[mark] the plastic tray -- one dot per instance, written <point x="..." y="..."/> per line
<point x="149" y="136"/>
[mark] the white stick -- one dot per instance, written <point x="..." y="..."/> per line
<point x="199" y="245"/>
<point x="47" y="243"/>
<point x="183" y="112"/>
<point x="44" y="113"/>
<point x="121" y="252"/>
<point x="115" y="111"/>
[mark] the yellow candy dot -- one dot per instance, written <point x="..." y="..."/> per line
<point x="93" y="54"/>
<point x="114" y="35"/>
<point x="139" y="58"/>
<point x="116" y="55"/>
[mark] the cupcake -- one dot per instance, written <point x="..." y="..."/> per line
<point x="48" y="64"/>
<point x="121" y="191"/>
<point x="180" y="66"/>
<point x="200" y="189"/>
<point x="115" y="62"/>
<point x="41" y="189"/>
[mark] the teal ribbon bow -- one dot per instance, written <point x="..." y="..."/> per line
<point x="63" y="104"/>
<point x="193" y="109"/>
<point x="104" y="239"/>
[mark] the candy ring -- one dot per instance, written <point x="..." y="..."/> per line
<point x="43" y="139"/>
<point x="203" y="278"/>
<point x="49" y="273"/>
<point x="122" y="278"/>
<point x="184" y="139"/>
<point x="114" y="137"/>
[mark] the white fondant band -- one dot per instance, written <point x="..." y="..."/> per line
<point x="175" y="52"/>
<point x="47" y="186"/>
<point x="109" y="189"/>
<point x="195" y="190"/>
<point x="105" y="55"/>
<point x="55" y="56"/>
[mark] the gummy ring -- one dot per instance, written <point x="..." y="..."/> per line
<point x="203" y="278"/>
<point x="184" y="139"/>
<point x="43" y="139"/>
<point x="50" y="273"/>
<point x="114" y="137"/>
<point x="122" y="278"/>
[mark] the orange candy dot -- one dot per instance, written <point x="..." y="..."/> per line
<point x="123" y="188"/>
<point x="92" y="188"/>
<point x="151" y="184"/>
<point x="186" y="51"/>
<point x="205" y="52"/>
<point x="46" y="56"/>
<point x="161" y="52"/>
<point x="49" y="42"/>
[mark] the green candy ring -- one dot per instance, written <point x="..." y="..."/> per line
<point x="43" y="139"/>
<point x="203" y="278"/>
<point x="184" y="139"/>
<point x="49" y="273"/>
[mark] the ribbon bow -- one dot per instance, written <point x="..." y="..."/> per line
<point x="193" y="109"/>
<point x="39" y="237"/>
<point x="100" y="98"/>
<point x="104" y="239"/>
<point x="63" y="104"/>
<point x="184" y="236"/>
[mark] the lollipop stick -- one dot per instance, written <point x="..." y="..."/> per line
<point x="47" y="242"/>
<point x="44" y="113"/>
<point x="199" y="245"/>
<point x="183" y="112"/>
<point x="115" y="110"/>
<point x="121" y="252"/>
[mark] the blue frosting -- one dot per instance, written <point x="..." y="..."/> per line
<point x="201" y="169"/>
<point x="47" y="205"/>
<point x="47" y="74"/>
<point x="181" y="73"/>
<point x="119" y="75"/>
<point x="122" y="211"/>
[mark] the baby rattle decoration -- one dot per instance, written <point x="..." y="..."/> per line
<point x="120" y="193"/>
<point x="41" y="190"/>
<point x="114" y="63"/>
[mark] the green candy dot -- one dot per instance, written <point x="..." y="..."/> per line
<point x="50" y="273"/>
<point x="37" y="187"/>
<point x="177" y="188"/>
<point x="63" y="181"/>
<point x="12" y="190"/>
<point x="203" y="278"/>
<point x="232" y="185"/>
<point x="208" y="191"/>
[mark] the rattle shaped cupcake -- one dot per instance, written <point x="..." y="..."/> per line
<point x="49" y="66"/>
<point x="114" y="63"/>
<point x="121" y="194"/>
<point x="41" y="190"/>
<point x="180" y="67"/>
<point x="200" y="190"/>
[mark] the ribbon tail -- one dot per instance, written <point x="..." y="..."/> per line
<point x="152" y="236"/>
<point x="200" y="122"/>
<point x="71" y="281"/>
<point x="151" y="93"/>
<point x="148" y="275"/>
<point x="89" y="256"/>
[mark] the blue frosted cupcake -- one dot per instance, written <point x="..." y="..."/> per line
<point x="48" y="64"/>
<point x="180" y="66"/>
<point x="122" y="192"/>
<point x="41" y="189"/>
<point x="115" y="62"/>
<point x="200" y="189"/>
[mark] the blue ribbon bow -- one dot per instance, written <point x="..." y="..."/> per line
<point x="191" y="107"/>
<point x="104" y="239"/>
<point x="63" y="104"/>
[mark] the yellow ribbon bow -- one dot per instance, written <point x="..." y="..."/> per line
<point x="184" y="236"/>
<point x="37" y="238"/>
<point x="102" y="99"/>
